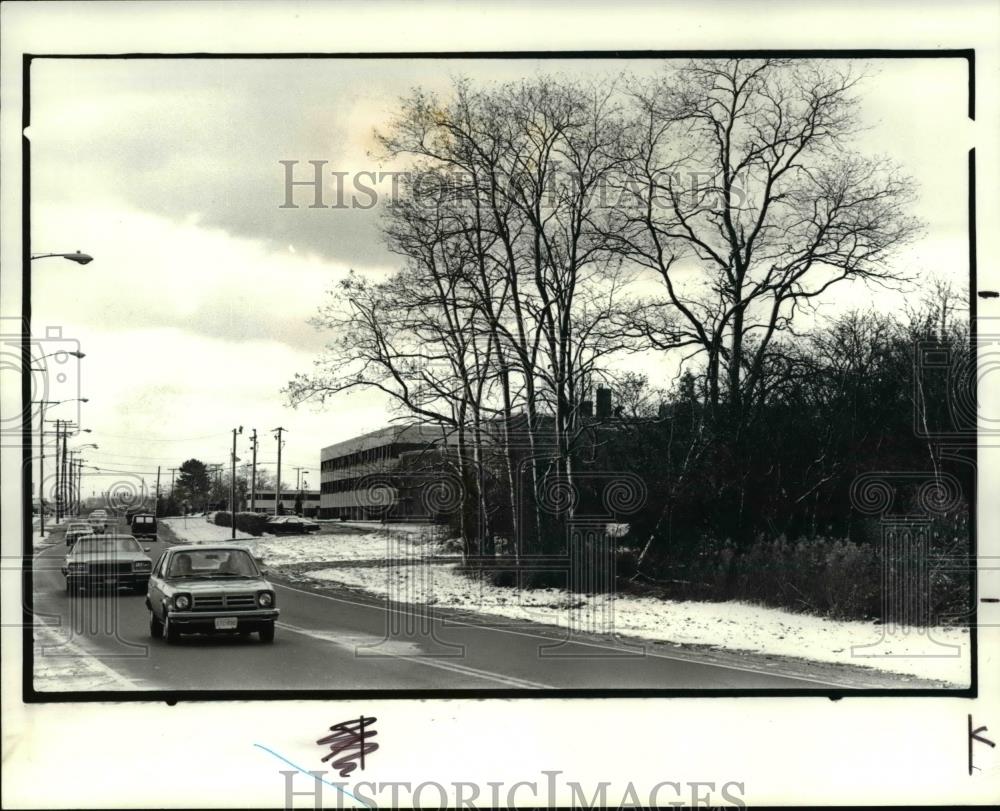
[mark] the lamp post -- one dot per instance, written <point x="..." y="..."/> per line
<point x="81" y="259"/>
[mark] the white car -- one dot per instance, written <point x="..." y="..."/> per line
<point x="98" y="519"/>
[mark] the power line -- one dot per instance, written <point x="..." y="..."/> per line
<point x="135" y="456"/>
<point x="145" y="438"/>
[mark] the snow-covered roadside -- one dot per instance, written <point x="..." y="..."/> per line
<point x="396" y="528"/>
<point x="38" y="542"/>
<point x="62" y="666"/>
<point x="732" y="625"/>
<point x="195" y="529"/>
<point x="371" y="542"/>
<point x="370" y="546"/>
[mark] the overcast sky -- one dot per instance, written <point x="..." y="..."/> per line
<point x="193" y="313"/>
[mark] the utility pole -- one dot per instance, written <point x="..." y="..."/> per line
<point x="277" y="483"/>
<point x="156" y="508"/>
<point x="56" y="492"/>
<point x="41" y="472"/>
<point x="70" y="461"/>
<point x="173" y="470"/>
<point x="232" y="483"/>
<point x="62" y="462"/>
<point x="253" y="475"/>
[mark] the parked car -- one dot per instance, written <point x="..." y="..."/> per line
<point x="290" y="525"/>
<point x="107" y="560"/>
<point x="199" y="589"/>
<point x="76" y="529"/>
<point x="143" y="525"/>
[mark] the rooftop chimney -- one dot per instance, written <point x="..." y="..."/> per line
<point x="603" y="403"/>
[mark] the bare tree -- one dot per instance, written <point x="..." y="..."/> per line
<point x="531" y="159"/>
<point x="744" y="197"/>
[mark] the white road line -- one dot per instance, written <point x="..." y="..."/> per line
<point x="656" y="654"/>
<point x="440" y="664"/>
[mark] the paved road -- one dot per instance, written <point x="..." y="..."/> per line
<point x="340" y="641"/>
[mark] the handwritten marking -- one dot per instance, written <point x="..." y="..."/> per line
<point x="352" y="738"/>
<point x="975" y="736"/>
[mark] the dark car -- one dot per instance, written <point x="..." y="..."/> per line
<point x="143" y="525"/>
<point x="290" y="525"/>
<point x="200" y="589"/>
<point x="106" y="561"/>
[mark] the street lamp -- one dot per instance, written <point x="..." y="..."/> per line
<point x="79" y="258"/>
<point x="74" y="353"/>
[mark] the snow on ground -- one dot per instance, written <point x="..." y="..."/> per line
<point x="61" y="665"/>
<point x="730" y="625"/>
<point x="381" y="545"/>
<point x="373" y="542"/>
<point x="38" y="542"/>
<point x="320" y="548"/>
<point x="195" y="529"/>
<point x="400" y="528"/>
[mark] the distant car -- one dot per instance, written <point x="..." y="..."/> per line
<point x="143" y="525"/>
<point x="75" y="529"/>
<point x="198" y="589"/>
<point x="106" y="560"/>
<point x="290" y="525"/>
<point x="99" y="520"/>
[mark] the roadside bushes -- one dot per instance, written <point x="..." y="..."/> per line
<point x="831" y="577"/>
<point x="252" y="523"/>
<point x="826" y="576"/>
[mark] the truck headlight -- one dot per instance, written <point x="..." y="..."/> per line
<point x="265" y="599"/>
<point x="182" y="601"/>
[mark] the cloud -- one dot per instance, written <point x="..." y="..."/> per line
<point x="150" y="271"/>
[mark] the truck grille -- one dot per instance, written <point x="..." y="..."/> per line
<point x="105" y="569"/>
<point x="229" y="602"/>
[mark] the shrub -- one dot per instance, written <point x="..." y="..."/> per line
<point x="252" y="523"/>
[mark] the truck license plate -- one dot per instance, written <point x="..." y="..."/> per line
<point x="225" y="623"/>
